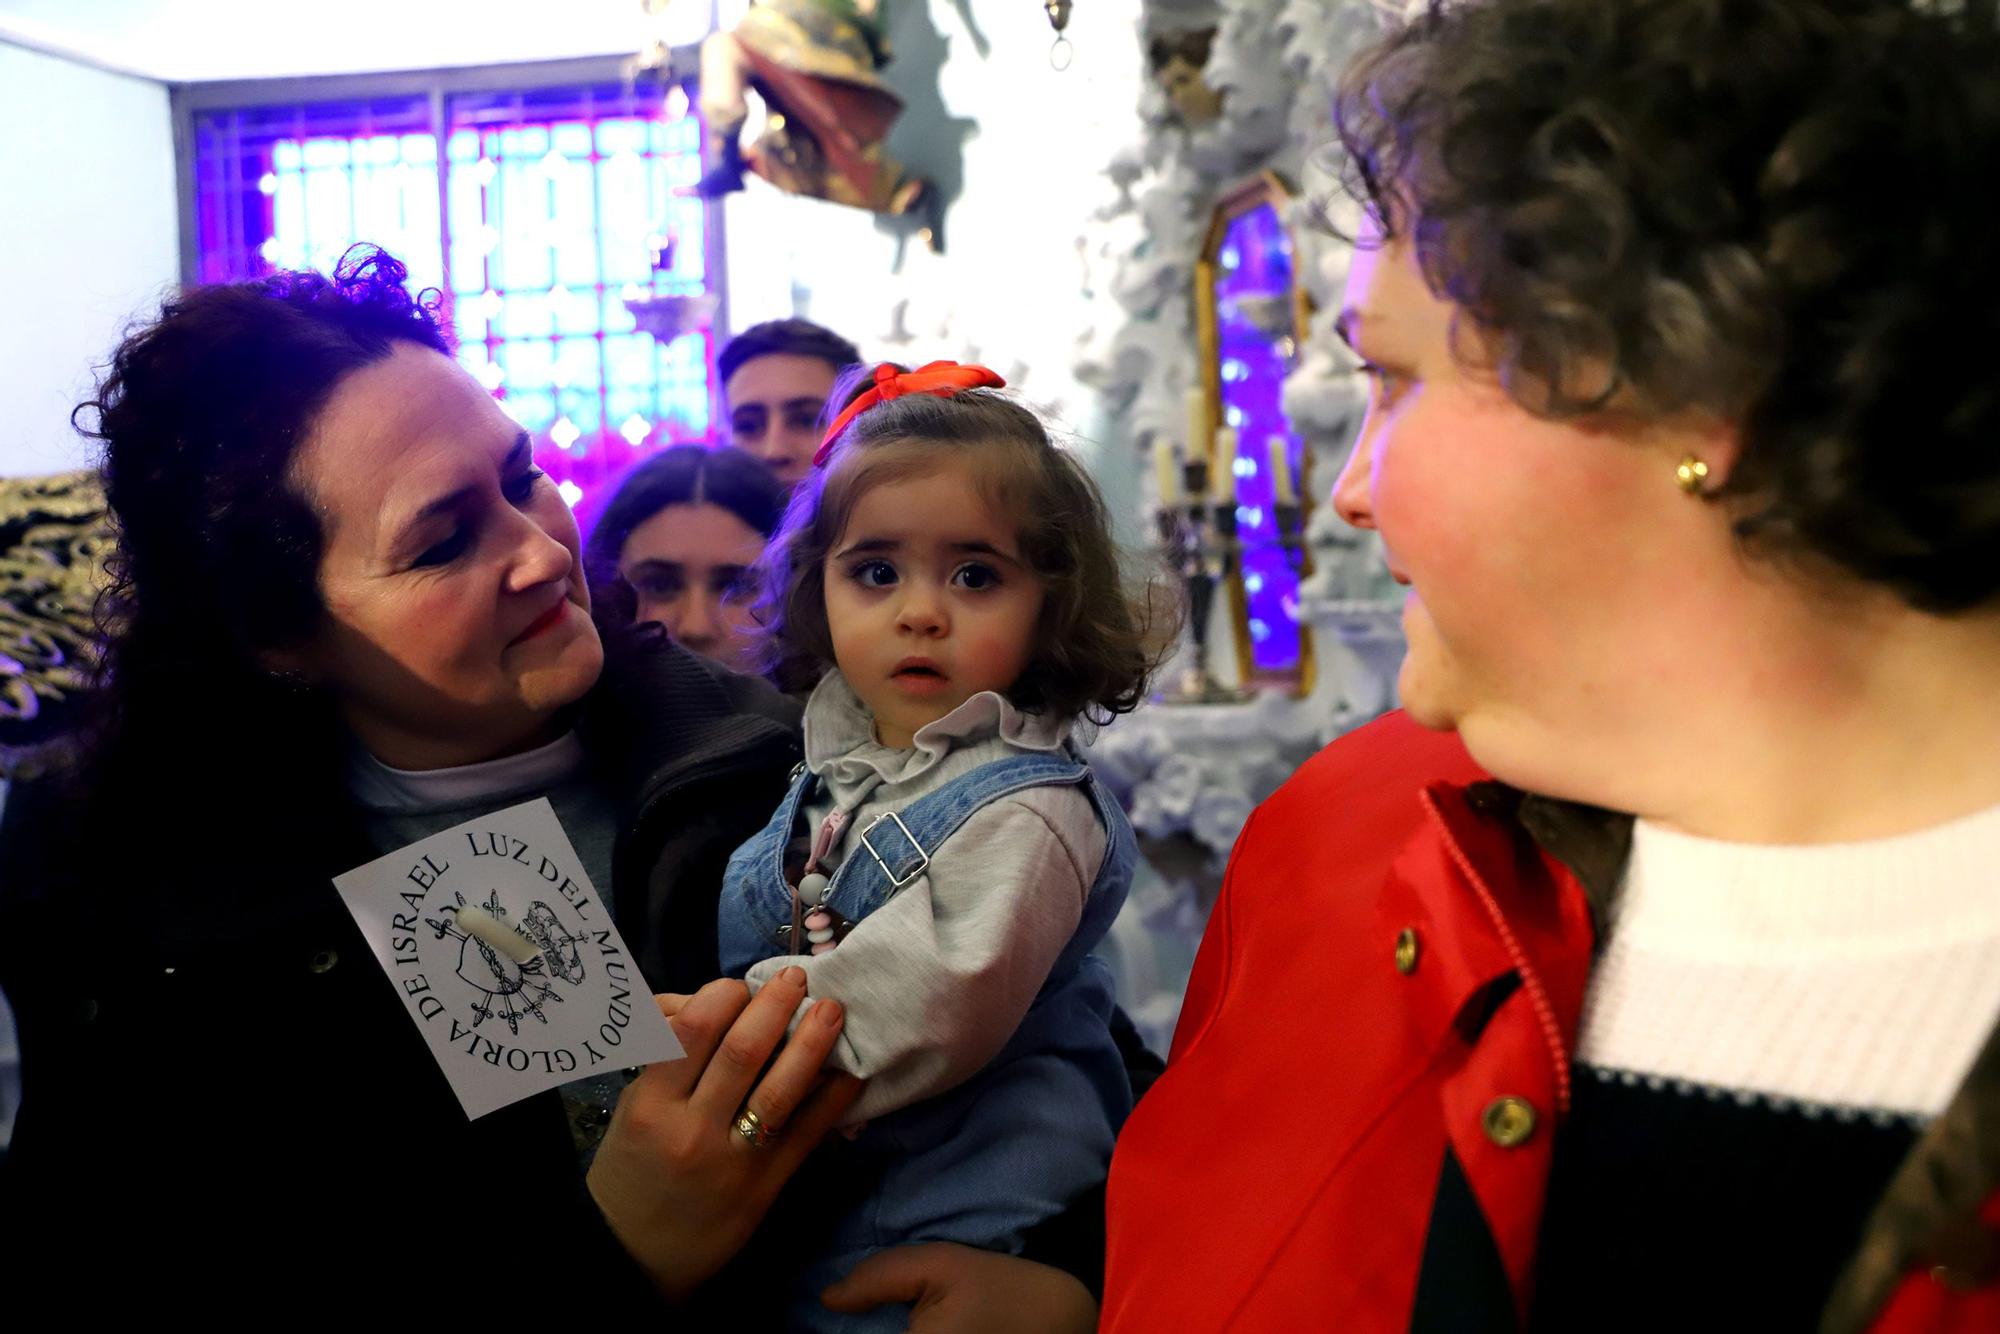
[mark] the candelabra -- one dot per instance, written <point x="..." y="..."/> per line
<point x="1204" y="544"/>
<point x="1199" y="536"/>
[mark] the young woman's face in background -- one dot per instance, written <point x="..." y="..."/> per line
<point x="691" y="567"/>
<point x="774" y="406"/>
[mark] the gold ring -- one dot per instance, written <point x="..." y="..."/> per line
<point x="752" y="1128"/>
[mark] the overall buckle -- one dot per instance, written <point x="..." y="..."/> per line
<point x="923" y="856"/>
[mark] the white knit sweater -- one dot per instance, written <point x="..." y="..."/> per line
<point x="1855" y="976"/>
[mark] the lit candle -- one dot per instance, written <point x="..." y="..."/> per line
<point x="1199" y="437"/>
<point x="1168" y="469"/>
<point x="1223" y="490"/>
<point x="1282" y="490"/>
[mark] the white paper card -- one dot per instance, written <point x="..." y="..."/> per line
<point x="502" y="1030"/>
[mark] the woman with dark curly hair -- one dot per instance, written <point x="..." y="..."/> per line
<point x="1661" y="992"/>
<point x="350" y="613"/>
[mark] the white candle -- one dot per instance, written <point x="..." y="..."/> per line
<point x="1168" y="469"/>
<point x="1282" y="490"/>
<point x="1223" y="489"/>
<point x="1199" y="437"/>
<point x="484" y="926"/>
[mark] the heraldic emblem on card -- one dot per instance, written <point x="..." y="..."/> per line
<point x="505" y="958"/>
<point x="515" y="990"/>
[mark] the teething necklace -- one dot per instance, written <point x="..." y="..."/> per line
<point x="824" y="928"/>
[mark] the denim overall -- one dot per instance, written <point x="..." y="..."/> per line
<point x="1013" y="1145"/>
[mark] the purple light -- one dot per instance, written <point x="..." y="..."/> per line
<point x="1257" y="277"/>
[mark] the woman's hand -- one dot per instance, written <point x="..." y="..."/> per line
<point x="960" y="1290"/>
<point x="681" y="1189"/>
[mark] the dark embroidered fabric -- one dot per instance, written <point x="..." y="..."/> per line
<point x="1462" y="1286"/>
<point x="1681" y="1207"/>
<point x="53" y="542"/>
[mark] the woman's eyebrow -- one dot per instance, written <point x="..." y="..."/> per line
<point x="519" y="455"/>
<point x="410" y="532"/>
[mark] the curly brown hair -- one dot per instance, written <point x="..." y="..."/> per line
<point x="1770" y="212"/>
<point x="201" y="414"/>
<point x="1098" y="640"/>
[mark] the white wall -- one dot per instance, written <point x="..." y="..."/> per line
<point x="1025" y="147"/>
<point x="89" y="238"/>
<point x="191" y="41"/>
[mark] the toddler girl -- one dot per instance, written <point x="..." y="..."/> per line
<point x="944" y="863"/>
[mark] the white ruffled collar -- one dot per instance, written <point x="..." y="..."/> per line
<point x="841" y="746"/>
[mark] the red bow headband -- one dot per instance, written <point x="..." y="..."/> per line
<point x="942" y="378"/>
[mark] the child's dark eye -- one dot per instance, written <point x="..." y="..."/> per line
<point x="518" y="490"/>
<point x="873" y="574"/>
<point x="976" y="577"/>
<point x="445" y="552"/>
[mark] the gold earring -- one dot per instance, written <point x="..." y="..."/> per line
<point x="1691" y="474"/>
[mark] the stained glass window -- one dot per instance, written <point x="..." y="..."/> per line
<point x="545" y="209"/>
<point x="291" y="186"/>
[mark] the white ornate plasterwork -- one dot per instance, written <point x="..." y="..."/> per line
<point x="1275" y="62"/>
<point x="1190" y="775"/>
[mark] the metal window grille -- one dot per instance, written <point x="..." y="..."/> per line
<point x="535" y="210"/>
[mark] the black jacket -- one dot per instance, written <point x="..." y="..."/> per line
<point x="225" y="1107"/>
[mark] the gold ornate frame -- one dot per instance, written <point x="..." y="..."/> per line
<point x="1266" y="189"/>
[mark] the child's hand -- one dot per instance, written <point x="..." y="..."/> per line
<point x="961" y="1290"/>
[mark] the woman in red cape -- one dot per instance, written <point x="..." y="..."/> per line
<point x="1655" y="984"/>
